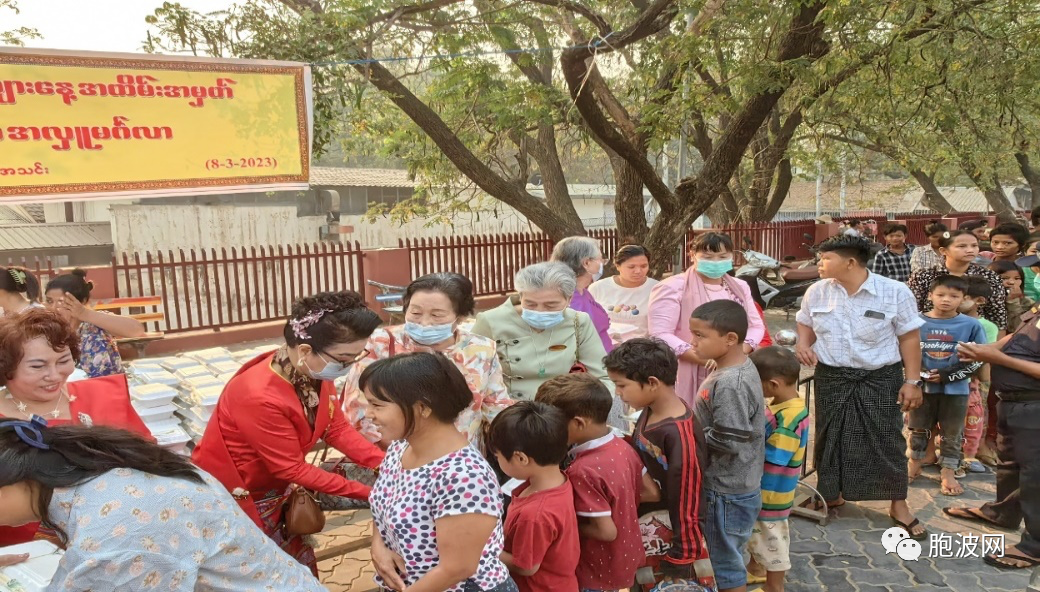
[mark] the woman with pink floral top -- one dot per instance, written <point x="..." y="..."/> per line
<point x="434" y="304"/>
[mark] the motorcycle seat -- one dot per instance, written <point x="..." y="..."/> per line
<point x="797" y="275"/>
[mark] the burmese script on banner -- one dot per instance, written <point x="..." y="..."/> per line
<point x="107" y="125"/>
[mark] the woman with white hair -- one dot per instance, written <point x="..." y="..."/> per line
<point x="583" y="255"/>
<point x="537" y="336"/>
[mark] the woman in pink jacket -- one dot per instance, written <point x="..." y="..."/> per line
<point x="673" y="301"/>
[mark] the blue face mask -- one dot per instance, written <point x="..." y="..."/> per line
<point x="714" y="269"/>
<point x="331" y="371"/>
<point x="429" y="334"/>
<point x="542" y="320"/>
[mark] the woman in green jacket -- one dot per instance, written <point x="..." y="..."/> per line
<point x="538" y="337"/>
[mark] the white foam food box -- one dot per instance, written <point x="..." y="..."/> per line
<point x="207" y="396"/>
<point x="151" y="395"/>
<point x="223" y="367"/>
<point x="150" y="415"/>
<point x="35" y="574"/>
<point x="153" y="375"/>
<point x="207" y="356"/>
<point x="174" y="363"/>
<point x="202" y="381"/>
<point x="193" y="371"/>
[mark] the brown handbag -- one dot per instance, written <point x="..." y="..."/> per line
<point x="303" y="515"/>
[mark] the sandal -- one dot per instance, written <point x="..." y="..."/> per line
<point x="909" y="528"/>
<point x="971" y="515"/>
<point x="755" y="579"/>
<point x="1031" y="562"/>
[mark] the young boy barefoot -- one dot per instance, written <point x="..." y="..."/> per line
<point x="945" y="399"/>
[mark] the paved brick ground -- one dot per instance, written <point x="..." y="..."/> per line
<point x="846" y="555"/>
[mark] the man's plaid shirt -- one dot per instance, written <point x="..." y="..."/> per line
<point x="891" y="265"/>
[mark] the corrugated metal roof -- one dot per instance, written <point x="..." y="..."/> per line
<point x="20" y="237"/>
<point x="345" y="177"/>
<point x="36" y="211"/>
<point x="963" y="199"/>
<point x="14" y="215"/>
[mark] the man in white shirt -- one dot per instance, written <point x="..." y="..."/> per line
<point x="855" y="228"/>
<point x="861" y="331"/>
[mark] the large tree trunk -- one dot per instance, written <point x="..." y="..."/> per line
<point x="998" y="200"/>
<point x="933" y="198"/>
<point x="1031" y="175"/>
<point x="628" y="201"/>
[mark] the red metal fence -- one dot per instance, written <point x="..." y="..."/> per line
<point x="207" y="289"/>
<point x="490" y="261"/>
<point x="210" y="289"/>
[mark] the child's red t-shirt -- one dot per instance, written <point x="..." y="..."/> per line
<point x="542" y="529"/>
<point x="607" y="475"/>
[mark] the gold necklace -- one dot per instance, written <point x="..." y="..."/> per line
<point x="24" y="409"/>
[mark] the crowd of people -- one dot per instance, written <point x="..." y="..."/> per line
<point x="587" y="428"/>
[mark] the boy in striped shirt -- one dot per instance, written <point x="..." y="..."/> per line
<point x="787" y="433"/>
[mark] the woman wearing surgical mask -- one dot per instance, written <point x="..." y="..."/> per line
<point x="583" y="256"/>
<point x="539" y="337"/>
<point x="277" y="407"/>
<point x="673" y="300"/>
<point x="434" y="305"/>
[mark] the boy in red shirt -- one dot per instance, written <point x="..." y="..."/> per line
<point x="541" y="549"/>
<point x="606" y="474"/>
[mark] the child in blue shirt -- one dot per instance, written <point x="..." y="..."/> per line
<point x="945" y="396"/>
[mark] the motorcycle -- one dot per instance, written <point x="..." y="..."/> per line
<point x="774" y="284"/>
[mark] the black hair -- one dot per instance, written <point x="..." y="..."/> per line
<point x="630" y="251"/>
<point x="21" y="281"/>
<point x="950" y="281"/>
<point x="724" y="316"/>
<point x="457" y="287"/>
<point x="644" y="357"/>
<point x="714" y="242"/>
<point x="77" y="454"/>
<point x="1034" y="217"/>
<point x="896" y="228"/>
<point x="852" y="222"/>
<point x="578" y="395"/>
<point x="971" y="225"/>
<point x="1002" y="267"/>
<point x="422" y="377"/>
<point x="777" y="362"/>
<point x="854" y="247"/>
<point x="344" y="318"/>
<point x="949" y="237"/>
<point x="935" y="227"/>
<point x="75" y="283"/>
<point x="1017" y="232"/>
<point x="978" y="287"/>
<point x="536" y="429"/>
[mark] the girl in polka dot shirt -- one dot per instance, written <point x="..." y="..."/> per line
<point x="436" y="504"/>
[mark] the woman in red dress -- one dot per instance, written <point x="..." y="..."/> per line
<point x="38" y="352"/>
<point x="274" y="411"/>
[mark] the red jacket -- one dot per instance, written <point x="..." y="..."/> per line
<point x="259" y="437"/>
<point x="101" y="401"/>
<point x="766" y="339"/>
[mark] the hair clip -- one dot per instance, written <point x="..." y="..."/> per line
<point x="18" y="275"/>
<point x="300" y="325"/>
<point x="946" y="234"/>
<point x="30" y="432"/>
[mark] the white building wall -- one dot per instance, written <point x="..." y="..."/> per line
<point x="145" y="227"/>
